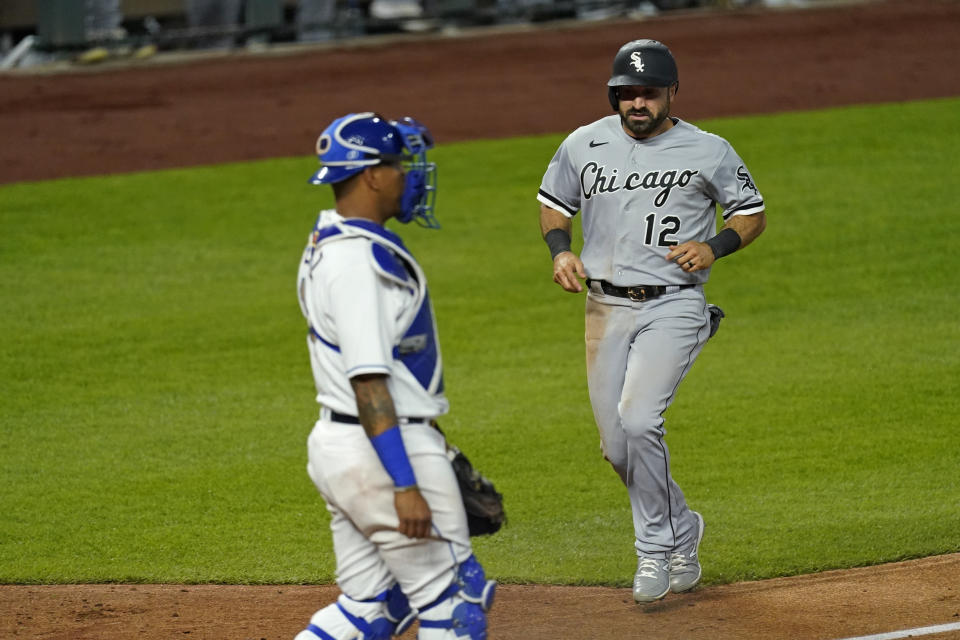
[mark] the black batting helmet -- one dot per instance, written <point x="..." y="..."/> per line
<point x="641" y="62"/>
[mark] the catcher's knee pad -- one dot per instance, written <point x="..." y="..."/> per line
<point x="453" y="618"/>
<point x="474" y="586"/>
<point x="378" y="618"/>
<point x="460" y="611"/>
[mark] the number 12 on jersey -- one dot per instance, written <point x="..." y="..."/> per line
<point x="667" y="226"/>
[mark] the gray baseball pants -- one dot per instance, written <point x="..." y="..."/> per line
<point x="637" y="355"/>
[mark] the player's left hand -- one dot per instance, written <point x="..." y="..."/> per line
<point x="568" y="271"/>
<point x="413" y="513"/>
<point x="691" y="256"/>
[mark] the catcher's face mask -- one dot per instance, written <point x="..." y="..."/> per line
<point x="357" y="141"/>
<point x="421" y="176"/>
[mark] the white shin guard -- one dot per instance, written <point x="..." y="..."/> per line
<point x="349" y="619"/>
<point x="460" y="613"/>
<point x="453" y="619"/>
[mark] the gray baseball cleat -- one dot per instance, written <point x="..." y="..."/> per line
<point x="652" y="580"/>
<point x="685" y="563"/>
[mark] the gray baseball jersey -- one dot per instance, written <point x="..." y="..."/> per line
<point x="638" y="197"/>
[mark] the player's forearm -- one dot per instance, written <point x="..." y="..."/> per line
<point x="375" y="406"/>
<point x="555" y="228"/>
<point x="551" y="219"/>
<point x="378" y="416"/>
<point x="747" y="227"/>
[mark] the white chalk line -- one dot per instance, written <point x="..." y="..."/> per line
<point x="910" y="633"/>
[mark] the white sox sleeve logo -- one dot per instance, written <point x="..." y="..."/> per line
<point x="744" y="177"/>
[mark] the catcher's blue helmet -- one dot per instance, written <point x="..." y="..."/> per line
<point x="356" y="141"/>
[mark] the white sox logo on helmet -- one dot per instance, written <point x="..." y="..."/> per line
<point x="637" y="61"/>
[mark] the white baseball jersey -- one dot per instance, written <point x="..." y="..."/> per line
<point x="638" y="197"/>
<point x="365" y="299"/>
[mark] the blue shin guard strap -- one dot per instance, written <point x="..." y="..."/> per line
<point x="447" y="593"/>
<point x="380" y="597"/>
<point x="320" y="633"/>
<point x="436" y="624"/>
<point x="468" y="620"/>
<point x="359" y="623"/>
<point x="378" y="629"/>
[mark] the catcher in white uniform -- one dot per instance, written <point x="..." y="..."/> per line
<point x="400" y="532"/>
<point x="648" y="185"/>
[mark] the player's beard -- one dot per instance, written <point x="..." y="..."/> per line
<point x="643" y="129"/>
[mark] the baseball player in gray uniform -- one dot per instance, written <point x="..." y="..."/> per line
<point x="647" y="185"/>
<point x="400" y="533"/>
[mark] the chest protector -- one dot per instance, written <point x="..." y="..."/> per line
<point x="417" y="347"/>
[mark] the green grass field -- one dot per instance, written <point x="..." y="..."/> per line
<point x="156" y="394"/>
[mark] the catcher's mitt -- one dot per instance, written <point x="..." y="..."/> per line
<point x="484" y="505"/>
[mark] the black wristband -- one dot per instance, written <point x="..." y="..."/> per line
<point x="724" y="243"/>
<point x="558" y="241"/>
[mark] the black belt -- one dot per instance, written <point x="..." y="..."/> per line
<point x="348" y="419"/>
<point x="637" y="293"/>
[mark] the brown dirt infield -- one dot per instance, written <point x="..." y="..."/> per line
<point x="483" y="85"/>
<point x="825" y="606"/>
